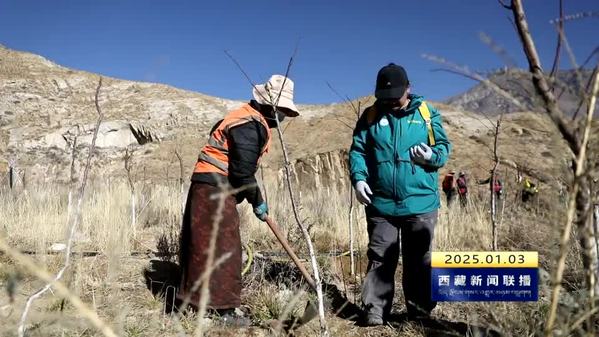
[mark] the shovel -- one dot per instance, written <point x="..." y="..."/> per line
<point x="311" y="310"/>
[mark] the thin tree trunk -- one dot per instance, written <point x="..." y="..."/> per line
<point x="70" y="206"/>
<point x="587" y="239"/>
<point x="181" y="173"/>
<point x="579" y="206"/>
<point x="11" y="173"/>
<point x="133" y="214"/>
<point x="596" y="235"/>
<point x="493" y="212"/>
<point x="304" y="230"/>
<point x="579" y="201"/>
<point x="128" y="166"/>
<point x="493" y="182"/>
<point x="263" y="184"/>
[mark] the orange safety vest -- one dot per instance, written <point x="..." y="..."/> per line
<point x="214" y="156"/>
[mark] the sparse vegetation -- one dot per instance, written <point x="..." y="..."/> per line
<point x="112" y="283"/>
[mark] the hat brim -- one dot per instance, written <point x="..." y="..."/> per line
<point x="391" y="93"/>
<point x="261" y="96"/>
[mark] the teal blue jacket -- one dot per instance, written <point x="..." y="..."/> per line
<point x="380" y="155"/>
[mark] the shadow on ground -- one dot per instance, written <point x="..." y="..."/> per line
<point x="338" y="303"/>
<point x="162" y="279"/>
<point x="443" y="328"/>
<point x="345" y="309"/>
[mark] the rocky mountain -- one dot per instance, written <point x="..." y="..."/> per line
<point x="47" y="117"/>
<point x="517" y="82"/>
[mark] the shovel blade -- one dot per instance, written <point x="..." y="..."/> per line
<point x="290" y="325"/>
<point x="310" y="313"/>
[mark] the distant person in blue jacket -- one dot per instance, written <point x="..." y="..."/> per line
<point x="398" y="146"/>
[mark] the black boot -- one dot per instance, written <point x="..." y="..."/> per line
<point x="418" y="314"/>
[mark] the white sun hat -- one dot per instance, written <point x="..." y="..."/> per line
<point x="278" y="87"/>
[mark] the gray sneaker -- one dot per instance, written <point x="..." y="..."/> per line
<point x="230" y="318"/>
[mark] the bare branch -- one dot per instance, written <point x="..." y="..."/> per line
<point x="304" y="230"/>
<point x="74" y="156"/>
<point x="181" y="169"/>
<point x="245" y="74"/>
<point x="579" y="172"/>
<point x="539" y="80"/>
<point x="581" y="319"/>
<point x="494" y="181"/>
<point x="345" y="99"/>
<point x="288" y="125"/>
<point x="343" y="120"/>
<point x="181" y="173"/>
<point x="351" y="190"/>
<point x="586" y="89"/>
<point x="560" y="28"/>
<point x="466" y="72"/>
<point x="572" y="57"/>
<point x="127" y="157"/>
<point x="497" y="49"/>
<point x="289" y="64"/>
<point x="575" y="16"/>
<point x="588" y="59"/>
<point x="506" y="6"/>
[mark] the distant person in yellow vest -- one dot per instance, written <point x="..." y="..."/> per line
<point x="229" y="159"/>
<point x="529" y="190"/>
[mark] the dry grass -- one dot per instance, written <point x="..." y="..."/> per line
<point x="113" y="285"/>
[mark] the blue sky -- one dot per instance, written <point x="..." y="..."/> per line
<point x="181" y="43"/>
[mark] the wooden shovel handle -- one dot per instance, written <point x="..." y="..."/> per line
<point x="276" y="230"/>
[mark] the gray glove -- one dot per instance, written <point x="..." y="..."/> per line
<point x="362" y="192"/>
<point x="421" y="154"/>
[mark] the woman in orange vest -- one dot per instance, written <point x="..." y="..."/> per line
<point x="229" y="161"/>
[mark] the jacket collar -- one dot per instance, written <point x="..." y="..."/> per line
<point x="415" y="101"/>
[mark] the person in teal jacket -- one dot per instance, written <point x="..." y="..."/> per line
<point x="398" y="146"/>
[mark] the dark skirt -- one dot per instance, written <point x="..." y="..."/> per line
<point x="199" y="217"/>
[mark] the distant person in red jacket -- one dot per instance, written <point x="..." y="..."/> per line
<point x="448" y="186"/>
<point x="496" y="187"/>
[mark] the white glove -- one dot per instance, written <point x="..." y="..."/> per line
<point x="421" y="154"/>
<point x="362" y="192"/>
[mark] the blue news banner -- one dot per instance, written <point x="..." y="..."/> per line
<point x="484" y="282"/>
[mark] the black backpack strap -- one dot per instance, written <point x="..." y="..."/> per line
<point x="371" y="114"/>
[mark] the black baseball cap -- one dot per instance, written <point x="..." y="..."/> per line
<point x="391" y="82"/>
